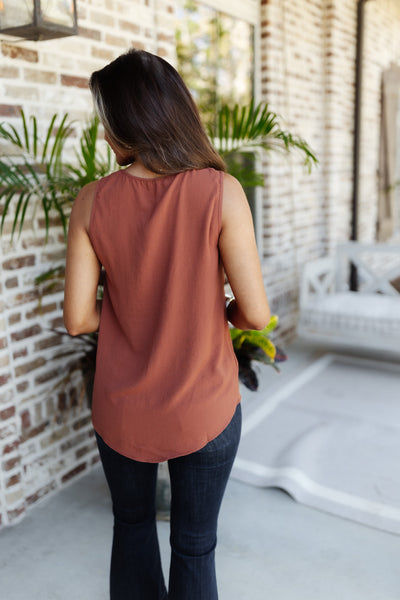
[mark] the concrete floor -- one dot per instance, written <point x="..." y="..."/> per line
<point x="270" y="547"/>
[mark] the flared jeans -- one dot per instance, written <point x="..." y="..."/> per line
<point x="198" y="483"/>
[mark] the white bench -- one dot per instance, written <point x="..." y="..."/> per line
<point x="367" y="320"/>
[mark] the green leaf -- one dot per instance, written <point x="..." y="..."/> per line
<point x="48" y="136"/>
<point x="273" y="322"/>
<point x="34" y="137"/>
<point x="255" y="353"/>
<point x="49" y="275"/>
<point x="258" y="339"/>
<point x="25" y="130"/>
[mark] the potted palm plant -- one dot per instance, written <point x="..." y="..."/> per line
<point x="241" y="131"/>
<point x="34" y="170"/>
<point x="34" y="174"/>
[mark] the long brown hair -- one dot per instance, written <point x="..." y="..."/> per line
<point x="147" y="110"/>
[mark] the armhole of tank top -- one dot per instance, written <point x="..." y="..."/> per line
<point x="220" y="199"/>
<point x="93" y="208"/>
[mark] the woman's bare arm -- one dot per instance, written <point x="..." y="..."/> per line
<point x="81" y="308"/>
<point x="237" y="244"/>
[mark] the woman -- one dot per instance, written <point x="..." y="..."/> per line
<point x="166" y="387"/>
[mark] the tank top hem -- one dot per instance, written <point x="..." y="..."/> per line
<point x="162" y="457"/>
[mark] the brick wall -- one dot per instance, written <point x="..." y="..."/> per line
<point x="307" y="75"/>
<point x="46" y="438"/>
<point x="308" y="60"/>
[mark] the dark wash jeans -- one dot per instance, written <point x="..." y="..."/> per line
<point x="198" y="483"/>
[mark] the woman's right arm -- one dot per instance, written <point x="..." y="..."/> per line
<point x="238" y="249"/>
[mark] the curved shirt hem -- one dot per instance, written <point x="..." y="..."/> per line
<point x="166" y="456"/>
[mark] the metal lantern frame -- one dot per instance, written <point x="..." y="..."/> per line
<point x="40" y="28"/>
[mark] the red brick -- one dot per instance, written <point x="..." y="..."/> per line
<point x="74" y="81"/>
<point x="52" y="288"/>
<point x="10" y="447"/>
<point x="95" y="460"/>
<point x="41" y="492"/>
<point x="82" y="423"/>
<point x="58" y="322"/>
<point x="25" y="333"/>
<point x="20" y="299"/>
<point x="12" y="282"/>
<point x="73" y="473"/>
<point x="10" y="110"/>
<point x="89" y="33"/>
<point x="114" y="40"/>
<point x="66" y="446"/>
<point x="11" y="463"/>
<point x="25" y="419"/>
<point x="14" y="51"/>
<point x="54" y="221"/>
<point x="20" y="353"/>
<point x="129" y="26"/>
<point x="102" y="53"/>
<point x="55" y="255"/>
<point x="44" y="377"/>
<point x="84" y="450"/>
<point x="163" y="37"/>
<point x="16" y="318"/>
<point x="49" y="342"/>
<point x="42" y="309"/>
<point x="14" y="514"/>
<point x="13" y="480"/>
<point x="40" y="76"/>
<point x="4" y="379"/>
<point x="28" y="367"/>
<point x="31" y="433"/>
<point x="19" y="262"/>
<point x="7" y="413"/>
<point x="22" y="387"/>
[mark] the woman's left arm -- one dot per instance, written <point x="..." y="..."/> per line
<point x="81" y="307"/>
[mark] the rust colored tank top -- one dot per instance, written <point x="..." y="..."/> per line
<point x="166" y="378"/>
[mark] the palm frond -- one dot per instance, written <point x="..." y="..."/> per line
<point x="91" y="165"/>
<point x="33" y="176"/>
<point x="251" y="128"/>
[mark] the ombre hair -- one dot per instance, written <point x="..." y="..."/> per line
<point x="148" y="111"/>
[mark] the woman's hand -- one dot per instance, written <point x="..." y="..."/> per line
<point x="237" y="245"/>
<point x="81" y="307"/>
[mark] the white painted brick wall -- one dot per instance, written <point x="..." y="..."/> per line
<point x="308" y="60"/>
<point x="307" y="75"/>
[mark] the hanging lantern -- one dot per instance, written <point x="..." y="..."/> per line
<point x="38" y="19"/>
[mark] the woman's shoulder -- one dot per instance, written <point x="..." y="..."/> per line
<point x="88" y="191"/>
<point x="234" y="199"/>
<point x="83" y="204"/>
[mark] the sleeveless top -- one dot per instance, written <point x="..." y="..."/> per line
<point x="166" y="379"/>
